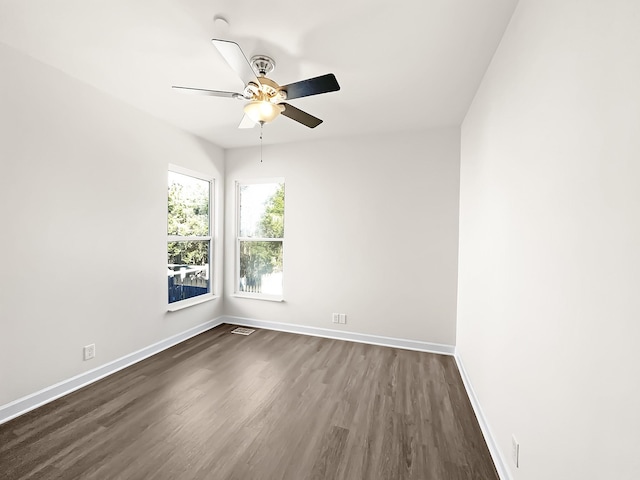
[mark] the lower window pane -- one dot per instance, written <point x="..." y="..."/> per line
<point x="188" y="269"/>
<point x="261" y="267"/>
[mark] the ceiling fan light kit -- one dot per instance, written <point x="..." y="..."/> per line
<point x="262" y="111"/>
<point x="266" y="97"/>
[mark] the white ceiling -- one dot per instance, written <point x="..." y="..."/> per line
<point x="401" y="65"/>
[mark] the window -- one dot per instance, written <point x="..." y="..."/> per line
<point x="260" y="239"/>
<point x="189" y="240"/>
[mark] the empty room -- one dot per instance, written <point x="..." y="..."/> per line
<point x="320" y="240"/>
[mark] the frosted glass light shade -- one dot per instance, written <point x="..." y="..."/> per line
<point x="262" y="111"/>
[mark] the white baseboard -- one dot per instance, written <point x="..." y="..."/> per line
<point x="342" y="335"/>
<point x="496" y="454"/>
<point x="35" y="400"/>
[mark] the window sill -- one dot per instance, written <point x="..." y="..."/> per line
<point x="174" y="307"/>
<point x="268" y="298"/>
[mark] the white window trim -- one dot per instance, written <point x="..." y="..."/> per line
<point x="259" y="296"/>
<point x="236" y="276"/>
<point x="213" y="281"/>
<point x="190" y="302"/>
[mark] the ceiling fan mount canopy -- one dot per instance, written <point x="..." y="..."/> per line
<point x="266" y="97"/>
<point x="262" y="65"/>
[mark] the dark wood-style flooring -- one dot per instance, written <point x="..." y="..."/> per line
<point x="269" y="406"/>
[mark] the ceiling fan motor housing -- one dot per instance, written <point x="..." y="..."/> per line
<point x="271" y="89"/>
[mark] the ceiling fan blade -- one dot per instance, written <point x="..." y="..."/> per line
<point x="212" y="93"/>
<point x="312" y="86"/>
<point x="246" y="122"/>
<point x="299" y="116"/>
<point x="232" y="53"/>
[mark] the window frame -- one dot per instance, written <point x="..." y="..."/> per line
<point x="238" y="239"/>
<point x="211" y="294"/>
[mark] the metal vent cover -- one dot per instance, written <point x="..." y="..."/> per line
<point x="243" y="331"/>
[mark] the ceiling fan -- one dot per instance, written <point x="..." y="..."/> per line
<point x="266" y="98"/>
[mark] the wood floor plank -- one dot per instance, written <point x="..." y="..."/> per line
<point x="269" y="406"/>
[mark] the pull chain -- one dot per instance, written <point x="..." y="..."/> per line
<point x="261" y="127"/>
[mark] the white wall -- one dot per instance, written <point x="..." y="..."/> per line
<point x="371" y="229"/>
<point x="548" y="302"/>
<point x="83" y="222"/>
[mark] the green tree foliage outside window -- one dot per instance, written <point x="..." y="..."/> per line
<point x="263" y="257"/>
<point x="188" y="216"/>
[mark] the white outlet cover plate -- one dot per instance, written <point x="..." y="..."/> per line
<point x="89" y="352"/>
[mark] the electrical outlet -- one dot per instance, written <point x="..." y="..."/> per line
<point x="340" y="318"/>
<point x="89" y="351"/>
<point x="515" y="451"/>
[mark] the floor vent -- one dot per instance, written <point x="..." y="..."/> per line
<point x="243" y="331"/>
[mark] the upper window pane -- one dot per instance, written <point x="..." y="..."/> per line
<point x="188" y="206"/>
<point x="262" y="210"/>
